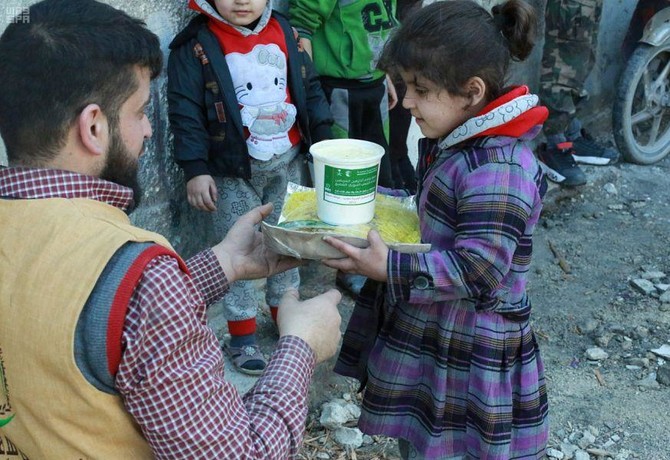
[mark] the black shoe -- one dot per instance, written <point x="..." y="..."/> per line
<point x="349" y="282"/>
<point x="589" y="152"/>
<point x="559" y="165"/>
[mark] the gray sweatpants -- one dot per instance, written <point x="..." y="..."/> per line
<point x="236" y="197"/>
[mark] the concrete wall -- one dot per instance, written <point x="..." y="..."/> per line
<point x="164" y="207"/>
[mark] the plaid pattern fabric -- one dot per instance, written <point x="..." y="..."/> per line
<point x="33" y="183"/>
<point x="455" y="368"/>
<point x="171" y="375"/>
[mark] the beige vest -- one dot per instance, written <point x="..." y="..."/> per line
<point x="51" y="254"/>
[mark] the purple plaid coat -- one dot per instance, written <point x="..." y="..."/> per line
<point x="444" y="348"/>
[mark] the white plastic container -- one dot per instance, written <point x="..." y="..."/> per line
<point x="345" y="178"/>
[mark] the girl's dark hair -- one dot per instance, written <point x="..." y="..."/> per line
<point x="449" y="42"/>
<point x="70" y="53"/>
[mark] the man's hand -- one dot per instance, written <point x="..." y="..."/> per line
<point x="201" y="192"/>
<point x="316" y="321"/>
<point x="370" y="261"/>
<point x="242" y="253"/>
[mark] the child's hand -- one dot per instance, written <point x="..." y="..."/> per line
<point x="306" y="45"/>
<point x="370" y="261"/>
<point x="202" y="193"/>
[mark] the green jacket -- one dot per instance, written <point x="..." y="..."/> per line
<point x="347" y="35"/>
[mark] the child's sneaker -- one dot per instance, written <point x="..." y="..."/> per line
<point x="590" y="152"/>
<point x="559" y="165"/>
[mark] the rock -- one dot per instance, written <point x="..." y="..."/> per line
<point x="581" y="455"/>
<point x="569" y="450"/>
<point x="555" y="453"/>
<point x="638" y="362"/>
<point x="368" y="440"/>
<point x="322" y="456"/>
<point x="595" y="354"/>
<point x="604" y="340"/>
<point x="649" y="382"/>
<point x="662" y="287"/>
<point x="665" y="297"/>
<point x="586" y="440"/>
<point x="589" y="325"/>
<point x="574" y="436"/>
<point x="623" y="455"/>
<point x="336" y="413"/>
<point x="349" y="437"/>
<point x="354" y="410"/>
<point x="609" y="443"/>
<point x="643" y="286"/>
<point x="663" y="351"/>
<point x="652" y="275"/>
<point x="641" y="332"/>
<point x="610" y="188"/>
<point x="617" y="329"/>
<point x="663" y="375"/>
<point x="599" y="453"/>
<point x="609" y="425"/>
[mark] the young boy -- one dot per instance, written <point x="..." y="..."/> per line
<point x="345" y="40"/>
<point x="244" y="106"/>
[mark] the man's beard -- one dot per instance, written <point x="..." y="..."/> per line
<point x="121" y="167"/>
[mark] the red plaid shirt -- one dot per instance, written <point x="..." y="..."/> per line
<point x="171" y="372"/>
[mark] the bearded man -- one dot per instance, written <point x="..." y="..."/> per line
<point x="105" y="350"/>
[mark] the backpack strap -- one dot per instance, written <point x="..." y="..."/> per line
<point x="225" y="158"/>
<point x="212" y="85"/>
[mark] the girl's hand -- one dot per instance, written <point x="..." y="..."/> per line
<point x="370" y="261"/>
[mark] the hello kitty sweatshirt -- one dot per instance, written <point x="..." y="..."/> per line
<point x="237" y="93"/>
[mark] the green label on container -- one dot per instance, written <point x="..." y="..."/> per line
<point x="349" y="186"/>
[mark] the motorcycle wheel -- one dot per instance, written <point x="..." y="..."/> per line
<point x="641" y="112"/>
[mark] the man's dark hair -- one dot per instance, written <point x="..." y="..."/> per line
<point x="66" y="55"/>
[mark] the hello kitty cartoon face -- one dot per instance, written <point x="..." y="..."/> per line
<point x="259" y="77"/>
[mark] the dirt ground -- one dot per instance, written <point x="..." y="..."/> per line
<point x="592" y="242"/>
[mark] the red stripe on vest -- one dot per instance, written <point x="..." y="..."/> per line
<point x="117" y="314"/>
